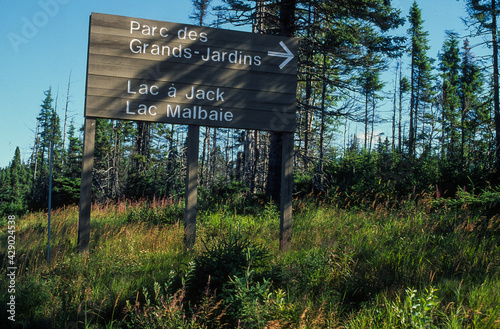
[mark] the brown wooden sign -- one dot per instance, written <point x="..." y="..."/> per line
<point x="146" y="70"/>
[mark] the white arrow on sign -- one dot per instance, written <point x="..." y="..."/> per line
<point x="288" y="55"/>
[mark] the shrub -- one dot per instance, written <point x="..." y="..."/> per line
<point x="416" y="312"/>
<point x="164" y="310"/>
<point x="223" y="258"/>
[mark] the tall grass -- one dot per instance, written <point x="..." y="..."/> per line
<point x="411" y="266"/>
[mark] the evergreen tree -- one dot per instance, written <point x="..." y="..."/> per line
<point x="341" y="31"/>
<point x="475" y="120"/>
<point x="49" y="138"/>
<point x="450" y="100"/>
<point x="15" y="176"/>
<point x="103" y="154"/>
<point x="484" y="14"/>
<point x="74" y="153"/>
<point x="45" y="123"/>
<point x="4" y="190"/>
<point x="421" y="75"/>
<point x="370" y="84"/>
<point x="14" y="187"/>
<point x="404" y="88"/>
<point x="67" y="185"/>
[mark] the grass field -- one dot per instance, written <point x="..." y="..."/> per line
<point x="417" y="265"/>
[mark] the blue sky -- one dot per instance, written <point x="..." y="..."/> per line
<point x="44" y="41"/>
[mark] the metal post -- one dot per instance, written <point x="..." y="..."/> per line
<point x="50" y="199"/>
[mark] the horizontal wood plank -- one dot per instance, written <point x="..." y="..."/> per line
<point x="197" y="94"/>
<point x="102" y="65"/>
<point x="172" y="112"/>
<point x="148" y="70"/>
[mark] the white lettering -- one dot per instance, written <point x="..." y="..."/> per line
<point x="153" y="90"/>
<point x="172" y="92"/>
<point x="173" y="113"/>
<point x="202" y="115"/>
<point x="235" y="57"/>
<point x="185" y="34"/>
<point x="144" y="89"/>
<point x="186" y="113"/>
<point x="203" y="37"/>
<point x="134" y="26"/>
<point x="137" y="47"/>
<point x="164" y="32"/>
<point x="210" y="95"/>
<point x="142" y="109"/>
<point x="129" y="89"/>
<point x="128" y="109"/>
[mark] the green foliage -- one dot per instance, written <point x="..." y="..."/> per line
<point x="166" y="310"/>
<point x="486" y="202"/>
<point x="156" y="211"/>
<point x="346" y="268"/>
<point x="416" y="312"/>
<point x="303" y="184"/>
<point x="32" y="301"/>
<point x="223" y="258"/>
<point x="249" y="302"/>
<point x="234" y="193"/>
<point x="14" y="187"/>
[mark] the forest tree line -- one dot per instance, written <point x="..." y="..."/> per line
<point x="444" y="117"/>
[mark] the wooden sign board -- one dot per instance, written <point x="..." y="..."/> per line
<point x="147" y="70"/>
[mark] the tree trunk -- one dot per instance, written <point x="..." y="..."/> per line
<point x="412" y="109"/>
<point x="287" y="22"/>
<point x="204" y="161"/>
<point x="213" y="157"/>
<point x="496" y="97"/>
<point x="65" y="119"/>
<point x="400" y="142"/>
<point x="322" y="128"/>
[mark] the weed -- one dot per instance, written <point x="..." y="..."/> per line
<point x="347" y="267"/>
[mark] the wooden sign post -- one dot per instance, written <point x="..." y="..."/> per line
<point x="147" y="70"/>
<point x="86" y="185"/>
<point x="286" y="192"/>
<point x="193" y="144"/>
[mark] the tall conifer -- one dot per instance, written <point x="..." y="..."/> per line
<point x="484" y="14"/>
<point x="421" y="78"/>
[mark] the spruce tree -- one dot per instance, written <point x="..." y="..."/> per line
<point x="484" y="15"/>
<point x="475" y="115"/>
<point x="49" y="134"/>
<point x="45" y="123"/>
<point x="14" y="187"/>
<point x="67" y="184"/>
<point x="450" y="101"/>
<point x="421" y="77"/>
